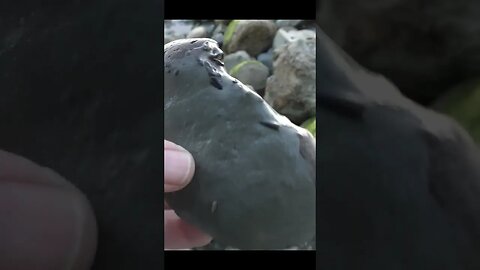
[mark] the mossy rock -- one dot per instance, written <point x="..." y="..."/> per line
<point x="254" y="182"/>
<point x="252" y="36"/>
<point x="311" y="125"/>
<point x="229" y="31"/>
<point x="239" y="66"/>
<point x="251" y="72"/>
<point x="463" y="104"/>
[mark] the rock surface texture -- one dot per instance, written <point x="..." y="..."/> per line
<point x="291" y="89"/>
<point x="253" y="36"/>
<point x="254" y="185"/>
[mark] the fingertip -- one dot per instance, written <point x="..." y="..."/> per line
<point x="179" y="167"/>
<point x="181" y="235"/>
<point x="44" y="217"/>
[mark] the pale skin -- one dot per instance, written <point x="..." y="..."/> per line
<point x="45" y="218"/>
<point x="179" y="167"/>
<point x="45" y="222"/>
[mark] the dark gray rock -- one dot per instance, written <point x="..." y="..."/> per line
<point x="254" y="182"/>
<point x="400" y="184"/>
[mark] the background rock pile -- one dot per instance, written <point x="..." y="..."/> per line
<point x="275" y="58"/>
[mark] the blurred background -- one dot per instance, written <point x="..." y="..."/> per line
<point x="80" y="92"/>
<point x="275" y="58"/>
<point x="429" y="49"/>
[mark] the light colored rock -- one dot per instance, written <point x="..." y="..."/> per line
<point x="291" y="23"/>
<point x="235" y="58"/>
<point x="288" y="35"/>
<point x="252" y="73"/>
<point x="176" y="29"/>
<point x="291" y="88"/>
<point x="252" y="36"/>
<point x="198" y="32"/>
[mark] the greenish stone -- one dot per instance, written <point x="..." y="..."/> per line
<point x="311" y="125"/>
<point x="229" y="31"/>
<point x="239" y="66"/>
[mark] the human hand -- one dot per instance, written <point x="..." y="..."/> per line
<point x="179" y="167"/>
<point x="46" y="223"/>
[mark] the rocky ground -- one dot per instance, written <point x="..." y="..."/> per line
<point x="275" y="58"/>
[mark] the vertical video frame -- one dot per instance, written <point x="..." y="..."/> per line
<point x="239" y="96"/>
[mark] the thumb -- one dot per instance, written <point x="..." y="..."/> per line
<point x="45" y="221"/>
<point x="179" y="167"/>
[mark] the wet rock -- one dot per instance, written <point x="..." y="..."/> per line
<point x="273" y="205"/>
<point x="252" y="73"/>
<point x="235" y="58"/>
<point x="291" y="88"/>
<point x="252" y="36"/>
<point x="424" y="49"/>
